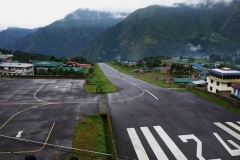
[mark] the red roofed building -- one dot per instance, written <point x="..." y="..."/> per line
<point x="78" y="64"/>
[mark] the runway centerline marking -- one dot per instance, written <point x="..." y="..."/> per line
<point x="133" y="83"/>
<point x="151" y="94"/>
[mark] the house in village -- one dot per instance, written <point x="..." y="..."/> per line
<point x="75" y="64"/>
<point x="7" y="67"/>
<point x="222" y="79"/>
<point x="235" y="90"/>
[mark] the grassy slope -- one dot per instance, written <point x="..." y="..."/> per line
<point x="99" y="83"/>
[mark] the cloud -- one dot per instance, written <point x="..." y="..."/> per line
<point x="35" y="13"/>
<point x="193" y="48"/>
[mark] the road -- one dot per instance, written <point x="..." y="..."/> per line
<point x="150" y="122"/>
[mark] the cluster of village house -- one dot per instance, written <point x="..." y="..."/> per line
<point x="9" y="67"/>
<point x="224" y="79"/>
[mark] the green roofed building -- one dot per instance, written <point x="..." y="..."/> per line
<point x="182" y="80"/>
<point x="76" y="69"/>
<point x="46" y="65"/>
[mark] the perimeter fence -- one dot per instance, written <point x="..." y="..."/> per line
<point x="47" y="151"/>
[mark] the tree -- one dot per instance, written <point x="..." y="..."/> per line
<point x="91" y="70"/>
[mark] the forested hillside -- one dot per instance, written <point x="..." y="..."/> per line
<point x="65" y="37"/>
<point x="170" y="31"/>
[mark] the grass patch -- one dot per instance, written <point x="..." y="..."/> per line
<point x="145" y="77"/>
<point x="92" y="134"/>
<point x="90" y="88"/>
<point x="102" y="83"/>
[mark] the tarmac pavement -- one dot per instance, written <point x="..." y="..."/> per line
<point x="150" y="122"/>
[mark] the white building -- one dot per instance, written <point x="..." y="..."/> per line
<point x="7" y="68"/>
<point x="222" y="79"/>
<point x="5" y="57"/>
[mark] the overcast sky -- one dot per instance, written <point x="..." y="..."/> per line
<point x="37" y="13"/>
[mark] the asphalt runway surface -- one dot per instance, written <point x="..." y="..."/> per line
<point x="150" y="122"/>
<point x="42" y="110"/>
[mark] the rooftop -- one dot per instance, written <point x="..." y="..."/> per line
<point x="224" y="71"/>
<point x="46" y="63"/>
<point x="7" y="64"/>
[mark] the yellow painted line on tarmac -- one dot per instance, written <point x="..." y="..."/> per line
<point x="37" y="92"/>
<point x="19" y="152"/>
<point x="15" y="115"/>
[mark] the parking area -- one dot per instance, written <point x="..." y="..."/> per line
<point x="43" y="111"/>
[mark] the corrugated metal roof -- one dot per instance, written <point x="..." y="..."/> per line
<point x="199" y="82"/>
<point x="224" y="71"/>
<point x="236" y="86"/>
<point x="19" y="65"/>
<point x="46" y="63"/>
<point x="182" y="80"/>
<point x="76" y="69"/>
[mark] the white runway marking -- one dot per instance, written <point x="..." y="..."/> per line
<point x="19" y="134"/>
<point x="234" y="152"/>
<point x="70" y="87"/>
<point x="133" y="83"/>
<point x="140" y="151"/>
<point x="169" y="142"/>
<point x="228" y="130"/>
<point x="154" y="144"/>
<point x="152" y="94"/>
<point x="233" y="125"/>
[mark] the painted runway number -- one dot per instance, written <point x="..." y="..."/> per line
<point x="159" y="153"/>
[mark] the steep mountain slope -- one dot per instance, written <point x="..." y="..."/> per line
<point x="11" y="34"/>
<point x="66" y="36"/>
<point x="178" y="30"/>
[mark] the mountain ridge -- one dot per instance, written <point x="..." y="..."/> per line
<point x="66" y="36"/>
<point x="158" y="30"/>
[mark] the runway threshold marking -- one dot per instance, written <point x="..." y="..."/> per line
<point x="44" y="144"/>
<point x="15" y="115"/>
<point x="154" y="144"/>
<point x="151" y="94"/>
<point x="137" y="145"/>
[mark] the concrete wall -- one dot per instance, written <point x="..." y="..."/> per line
<point x="213" y="86"/>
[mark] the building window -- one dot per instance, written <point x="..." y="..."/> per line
<point x="229" y="84"/>
<point x="218" y="83"/>
<point x="210" y="88"/>
<point x="211" y="81"/>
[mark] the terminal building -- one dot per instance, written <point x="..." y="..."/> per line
<point x="7" y="67"/>
<point x="222" y="79"/>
